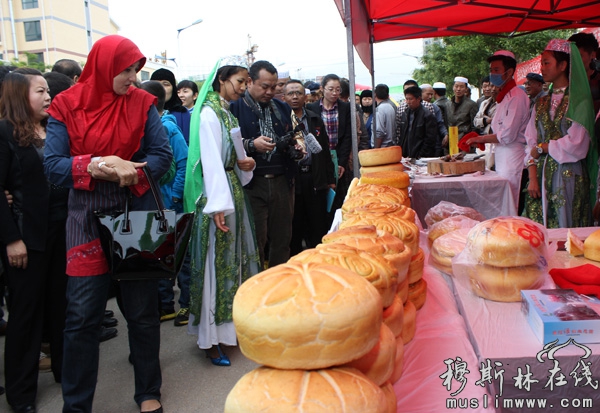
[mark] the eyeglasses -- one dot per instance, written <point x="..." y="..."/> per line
<point x="333" y="90"/>
<point x="294" y="93"/>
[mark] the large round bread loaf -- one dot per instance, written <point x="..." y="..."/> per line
<point x="373" y="268"/>
<point x="397" y="166"/>
<point x="415" y="267"/>
<point x="385" y="193"/>
<point x="396" y="179"/>
<point x="507" y="242"/>
<point x="378" y="364"/>
<point x="306" y="316"/>
<point x="380" y="156"/>
<point x="393" y="316"/>
<point x="503" y="284"/>
<point x="378" y="208"/>
<point x="591" y="246"/>
<point x="269" y="390"/>
<point x="397" y="373"/>
<point x="417" y="293"/>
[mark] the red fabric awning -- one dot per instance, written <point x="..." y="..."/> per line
<point x="381" y="20"/>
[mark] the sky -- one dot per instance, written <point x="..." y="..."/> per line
<point x="306" y="37"/>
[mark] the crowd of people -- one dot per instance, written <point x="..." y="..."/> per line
<point x="262" y="160"/>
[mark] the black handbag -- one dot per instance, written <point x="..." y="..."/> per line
<point x="145" y="245"/>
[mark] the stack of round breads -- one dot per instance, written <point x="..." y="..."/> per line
<point x="306" y="322"/>
<point x="504" y="256"/>
<point x="381" y="159"/>
<point x="448" y="225"/>
<point x="398" y="316"/>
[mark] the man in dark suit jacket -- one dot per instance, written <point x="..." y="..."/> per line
<point x="418" y="127"/>
<point x="328" y="108"/>
<point x="262" y="120"/>
<point x="315" y="173"/>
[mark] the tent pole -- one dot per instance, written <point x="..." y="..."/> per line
<point x="351" y="76"/>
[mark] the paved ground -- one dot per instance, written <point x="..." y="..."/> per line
<point x="191" y="384"/>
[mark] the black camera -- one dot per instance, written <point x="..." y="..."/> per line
<point x="287" y="144"/>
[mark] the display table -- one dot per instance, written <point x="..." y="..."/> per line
<point x="489" y="194"/>
<point x="500" y="333"/>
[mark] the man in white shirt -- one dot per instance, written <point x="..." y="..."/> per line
<point x="509" y="122"/>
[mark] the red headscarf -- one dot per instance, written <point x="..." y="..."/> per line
<point x="99" y="121"/>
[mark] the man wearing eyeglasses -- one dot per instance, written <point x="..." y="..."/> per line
<point x="315" y="172"/>
<point x="262" y="121"/>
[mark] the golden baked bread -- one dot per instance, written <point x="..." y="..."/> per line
<point x="378" y="208"/>
<point x="393" y="316"/>
<point x="380" y="156"/>
<point x="397" y="373"/>
<point x="306" y="316"/>
<point x="390" y="395"/>
<point x="396" y="179"/>
<point x="402" y="291"/>
<point x="409" y="326"/>
<point x="378" y="364"/>
<point x="369" y="238"/>
<point x="415" y="268"/>
<point x="507" y="242"/>
<point x="406" y="230"/>
<point x="447" y="247"/>
<point x="417" y="293"/>
<point x="397" y="166"/>
<point x="503" y="284"/>
<point x="270" y="390"/>
<point x="373" y="268"/>
<point x="574" y="245"/>
<point x="448" y="225"/>
<point x="591" y="246"/>
<point x="383" y="193"/>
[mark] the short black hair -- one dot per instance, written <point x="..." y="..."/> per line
<point x="259" y="65"/>
<point x="382" y="91"/>
<point x="68" y="67"/>
<point x="294" y="81"/>
<point x="585" y="41"/>
<point x="486" y="79"/>
<point x="189" y="84"/>
<point x="345" y="86"/>
<point x="441" y="91"/>
<point x="410" y="82"/>
<point x="154" y="87"/>
<point x="57" y="82"/>
<point x="413" y="91"/>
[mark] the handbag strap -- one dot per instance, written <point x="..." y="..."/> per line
<point x="158" y="198"/>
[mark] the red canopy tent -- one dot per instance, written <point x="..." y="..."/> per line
<point x="373" y="21"/>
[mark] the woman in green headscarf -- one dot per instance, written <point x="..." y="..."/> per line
<point x="223" y="245"/>
<point x="558" y="142"/>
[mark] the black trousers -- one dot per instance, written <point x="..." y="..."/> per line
<point x="310" y="221"/>
<point x="29" y="290"/>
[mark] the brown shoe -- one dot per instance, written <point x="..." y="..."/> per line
<point x="45" y="362"/>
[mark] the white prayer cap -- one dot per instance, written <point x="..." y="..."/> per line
<point x="461" y="79"/>
<point x="306" y="91"/>
<point x="426" y="86"/>
<point x="439" y="85"/>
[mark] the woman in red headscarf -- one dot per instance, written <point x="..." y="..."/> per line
<point x="100" y="133"/>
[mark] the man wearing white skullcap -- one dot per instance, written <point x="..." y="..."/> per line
<point x="462" y="110"/>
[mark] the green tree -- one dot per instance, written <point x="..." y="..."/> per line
<point x="467" y="55"/>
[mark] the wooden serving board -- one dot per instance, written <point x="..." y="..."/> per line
<point x="456" y="167"/>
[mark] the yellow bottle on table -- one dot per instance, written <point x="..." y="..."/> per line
<point x="453" y="139"/>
